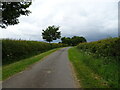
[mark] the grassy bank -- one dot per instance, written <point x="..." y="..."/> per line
<point x="11" y="69"/>
<point x="94" y="72"/>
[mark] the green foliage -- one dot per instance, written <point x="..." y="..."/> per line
<point x="14" y="50"/>
<point x="66" y="40"/>
<point x="11" y="11"/>
<point x="51" y="33"/>
<point x="87" y="77"/>
<point x="103" y="48"/>
<point x="95" y="72"/>
<point x="109" y="52"/>
<point x="75" y="40"/>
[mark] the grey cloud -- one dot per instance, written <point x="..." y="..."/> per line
<point x="94" y="20"/>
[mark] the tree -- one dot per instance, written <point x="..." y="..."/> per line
<point x="66" y="40"/>
<point x="11" y="11"/>
<point x="75" y="40"/>
<point x="51" y="33"/>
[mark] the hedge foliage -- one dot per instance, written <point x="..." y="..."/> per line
<point x="103" y="48"/>
<point x="14" y="50"/>
<point x="106" y="61"/>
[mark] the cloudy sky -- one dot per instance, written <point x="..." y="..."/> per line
<point x="93" y="19"/>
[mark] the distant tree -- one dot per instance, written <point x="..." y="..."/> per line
<point x="75" y="40"/>
<point x="11" y="11"/>
<point x="66" y="40"/>
<point x="51" y="33"/>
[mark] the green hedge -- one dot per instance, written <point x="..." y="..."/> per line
<point x="14" y="50"/>
<point x="103" y="48"/>
<point x="104" y="59"/>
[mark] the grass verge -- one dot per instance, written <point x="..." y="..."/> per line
<point x="89" y="78"/>
<point x="11" y="69"/>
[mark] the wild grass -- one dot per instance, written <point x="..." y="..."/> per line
<point x="94" y="72"/>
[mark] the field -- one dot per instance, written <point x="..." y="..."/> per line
<point x="97" y="63"/>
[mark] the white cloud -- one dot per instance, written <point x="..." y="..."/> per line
<point x="94" y="19"/>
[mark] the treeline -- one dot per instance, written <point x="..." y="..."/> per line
<point x="14" y="50"/>
<point x="103" y="48"/>
<point x="75" y="40"/>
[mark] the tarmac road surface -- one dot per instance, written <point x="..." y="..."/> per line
<point x="54" y="71"/>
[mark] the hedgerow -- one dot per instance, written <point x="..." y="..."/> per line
<point x="105" y="60"/>
<point x="14" y="50"/>
<point x="103" y="48"/>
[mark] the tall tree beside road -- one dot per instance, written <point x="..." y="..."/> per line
<point x="51" y="33"/>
